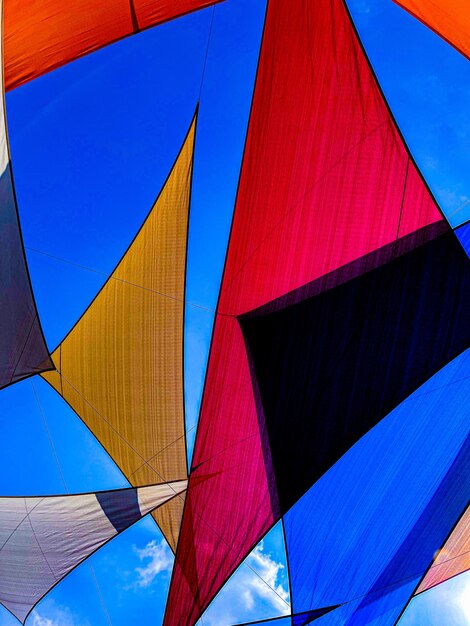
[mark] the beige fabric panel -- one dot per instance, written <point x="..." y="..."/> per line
<point x="121" y="366"/>
<point x="43" y="538"/>
<point x="453" y="558"/>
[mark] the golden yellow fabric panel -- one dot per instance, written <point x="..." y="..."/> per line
<point x="450" y="19"/>
<point x="121" y="366"/>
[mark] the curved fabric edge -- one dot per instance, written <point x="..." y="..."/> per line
<point x="120" y="368"/>
<point x="43" y="35"/>
<point x="449" y="19"/>
<point x="398" y="491"/>
<point x="23" y="348"/>
<point x="58" y="533"/>
<point x="259" y="268"/>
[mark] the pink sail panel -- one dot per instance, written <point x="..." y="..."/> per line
<point x="454" y="557"/>
<point x="325" y="180"/>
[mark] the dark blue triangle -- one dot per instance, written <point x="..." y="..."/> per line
<point x="301" y="619"/>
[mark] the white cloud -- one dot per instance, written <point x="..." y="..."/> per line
<point x="266" y="585"/>
<point x="42" y="621"/>
<point x="52" y="615"/>
<point x="256" y="591"/>
<point x="248" y="599"/>
<point x="160" y="560"/>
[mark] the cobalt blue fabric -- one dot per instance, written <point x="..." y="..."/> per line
<point x="299" y="619"/>
<point x="365" y="533"/>
<point x="463" y="233"/>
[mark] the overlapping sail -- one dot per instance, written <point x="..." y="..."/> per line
<point x="121" y="366"/>
<point x="339" y="360"/>
<point x="42" y="35"/>
<point x="23" y="350"/>
<point x="344" y="290"/>
<point x="43" y="538"/>
<point x="377" y="518"/>
<point x="297" y="619"/>
<point x="452" y="559"/>
<point x="448" y="18"/>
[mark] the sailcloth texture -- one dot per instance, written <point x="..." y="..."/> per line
<point x="448" y="18"/>
<point x="23" y="350"/>
<point x="43" y="538"/>
<point x="343" y="291"/>
<point x="42" y="35"/>
<point x="121" y="366"/>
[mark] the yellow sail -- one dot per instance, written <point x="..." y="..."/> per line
<point x="121" y="366"/>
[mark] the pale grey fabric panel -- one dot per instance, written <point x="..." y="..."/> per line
<point x="43" y="538"/>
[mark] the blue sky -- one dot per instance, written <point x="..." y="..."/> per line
<point x="91" y="145"/>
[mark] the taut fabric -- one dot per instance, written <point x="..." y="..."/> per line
<point x="41" y="35"/>
<point x="121" y="366"/>
<point x="325" y="180"/>
<point x="43" y="538"/>
<point x="453" y="558"/>
<point x="448" y="18"/>
<point x="23" y="350"/>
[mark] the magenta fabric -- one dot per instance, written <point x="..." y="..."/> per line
<point x="325" y="180"/>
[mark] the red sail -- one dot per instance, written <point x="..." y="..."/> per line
<point x="325" y="179"/>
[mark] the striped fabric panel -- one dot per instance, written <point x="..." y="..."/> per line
<point x="43" y="538"/>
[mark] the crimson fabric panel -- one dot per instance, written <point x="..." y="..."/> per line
<point x="325" y="180"/>
<point x="42" y="35"/>
<point x="397" y="494"/>
<point x="331" y="365"/>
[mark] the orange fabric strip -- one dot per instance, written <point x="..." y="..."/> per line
<point x="41" y="35"/>
<point x="450" y="19"/>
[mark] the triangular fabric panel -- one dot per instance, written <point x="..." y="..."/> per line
<point x="23" y="351"/>
<point x="302" y="619"/>
<point x="41" y="35"/>
<point x="397" y="494"/>
<point x="43" y="538"/>
<point x="281" y="620"/>
<point x="452" y="559"/>
<point x="121" y="366"/>
<point x="463" y="234"/>
<point x="299" y="619"/>
<point x="450" y="19"/>
<point x="330" y="364"/>
<point x="326" y="180"/>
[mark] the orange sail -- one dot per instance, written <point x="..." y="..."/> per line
<point x="41" y="35"/>
<point x="450" y="19"/>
